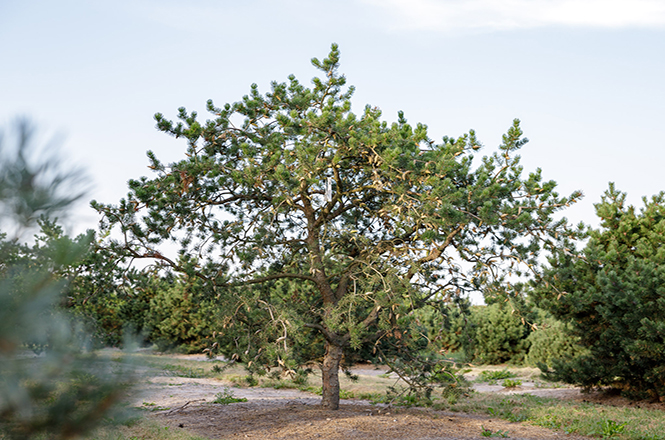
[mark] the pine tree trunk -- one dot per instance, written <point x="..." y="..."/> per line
<point x="330" y="373"/>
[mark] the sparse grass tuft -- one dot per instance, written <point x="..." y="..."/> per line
<point x="226" y="397"/>
<point x="509" y="383"/>
<point x="486" y="432"/>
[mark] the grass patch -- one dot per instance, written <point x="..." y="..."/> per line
<point x="185" y="367"/>
<point x="141" y="430"/>
<point x="492" y="376"/>
<point x="185" y="371"/>
<point x="280" y="384"/>
<point x="243" y="381"/>
<point x="343" y="394"/>
<point x="583" y="418"/>
<point x="314" y="390"/>
<point x="151" y="406"/>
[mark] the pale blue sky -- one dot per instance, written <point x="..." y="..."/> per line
<point x="585" y="77"/>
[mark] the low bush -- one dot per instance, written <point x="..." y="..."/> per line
<point x="499" y="336"/>
<point x="180" y="319"/>
<point x="552" y="342"/>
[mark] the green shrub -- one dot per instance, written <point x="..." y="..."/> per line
<point x="551" y="342"/>
<point x="182" y="320"/>
<point x="491" y="334"/>
<point x="173" y="313"/>
<point x="499" y="336"/>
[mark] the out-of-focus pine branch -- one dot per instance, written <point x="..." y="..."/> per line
<point x="49" y="386"/>
<point x="33" y="179"/>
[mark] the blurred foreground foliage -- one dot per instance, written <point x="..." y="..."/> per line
<point x="50" y="385"/>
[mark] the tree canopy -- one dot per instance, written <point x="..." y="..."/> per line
<point x="367" y="221"/>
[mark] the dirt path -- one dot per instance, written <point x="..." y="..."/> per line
<point x="185" y="403"/>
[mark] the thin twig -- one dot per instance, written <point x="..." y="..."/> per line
<point x="183" y="407"/>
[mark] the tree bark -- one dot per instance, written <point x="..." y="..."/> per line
<point x="330" y="373"/>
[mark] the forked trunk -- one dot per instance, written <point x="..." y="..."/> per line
<point x="330" y="373"/>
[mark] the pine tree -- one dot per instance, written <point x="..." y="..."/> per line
<point x="371" y="219"/>
<point x="612" y="295"/>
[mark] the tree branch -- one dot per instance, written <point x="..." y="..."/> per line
<point x="274" y="277"/>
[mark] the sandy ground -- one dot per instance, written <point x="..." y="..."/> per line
<point x="186" y="403"/>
